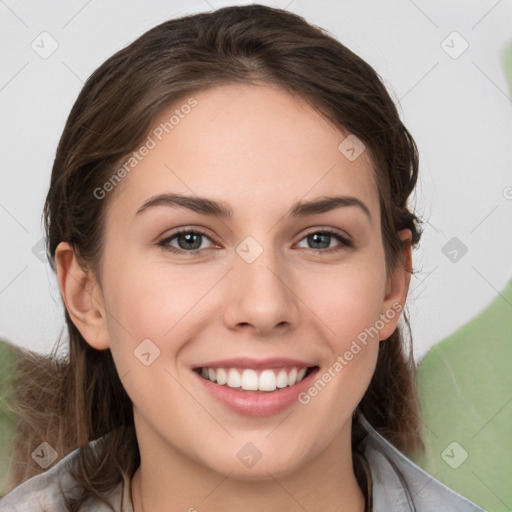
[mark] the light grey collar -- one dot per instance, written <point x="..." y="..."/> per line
<point x="399" y="485"/>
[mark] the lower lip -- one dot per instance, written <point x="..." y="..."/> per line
<point x="252" y="403"/>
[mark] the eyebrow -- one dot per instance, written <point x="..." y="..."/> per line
<point x="222" y="210"/>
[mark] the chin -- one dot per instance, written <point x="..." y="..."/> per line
<point x="262" y="469"/>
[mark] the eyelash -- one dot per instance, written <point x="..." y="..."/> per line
<point x="345" y="242"/>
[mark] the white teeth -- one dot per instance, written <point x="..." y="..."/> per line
<point x="282" y="379"/>
<point x="292" y="377"/>
<point x="234" y="378"/>
<point x="222" y="376"/>
<point x="267" y="380"/>
<point x="249" y="380"/>
<point x="254" y="380"/>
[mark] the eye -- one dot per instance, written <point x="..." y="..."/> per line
<point x="322" y="239"/>
<point x="187" y="240"/>
<point x="190" y="241"/>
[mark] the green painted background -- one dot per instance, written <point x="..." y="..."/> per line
<point x="465" y="388"/>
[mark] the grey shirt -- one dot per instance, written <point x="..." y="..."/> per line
<point x="399" y="485"/>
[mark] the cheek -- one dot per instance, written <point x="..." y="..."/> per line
<point x="147" y="300"/>
<point x="349" y="311"/>
<point x="348" y="301"/>
<point x="349" y="308"/>
<point x="140" y="311"/>
<point x="154" y="311"/>
<point x="143" y="309"/>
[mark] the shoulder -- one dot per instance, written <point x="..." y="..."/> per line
<point x="44" y="491"/>
<point x="50" y="491"/>
<point x="402" y="486"/>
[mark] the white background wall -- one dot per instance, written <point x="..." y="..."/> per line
<point x="458" y="109"/>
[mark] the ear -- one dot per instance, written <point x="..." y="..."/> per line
<point x="397" y="286"/>
<point x="82" y="297"/>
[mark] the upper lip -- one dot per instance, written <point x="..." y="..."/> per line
<point x="249" y="362"/>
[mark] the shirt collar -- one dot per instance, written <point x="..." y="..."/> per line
<point x="402" y="486"/>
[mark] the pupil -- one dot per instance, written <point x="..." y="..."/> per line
<point x="189" y="239"/>
<point x="315" y="237"/>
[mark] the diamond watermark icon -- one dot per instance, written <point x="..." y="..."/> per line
<point x="351" y="147"/>
<point x="249" y="455"/>
<point x="454" y="249"/>
<point x="146" y="352"/>
<point x="249" y="249"/>
<point x="454" y="45"/>
<point x="39" y="250"/>
<point x="454" y="455"/>
<point x="44" y="45"/>
<point x="45" y="455"/>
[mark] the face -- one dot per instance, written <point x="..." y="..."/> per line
<point x="266" y="289"/>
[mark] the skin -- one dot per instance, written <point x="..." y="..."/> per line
<point x="260" y="150"/>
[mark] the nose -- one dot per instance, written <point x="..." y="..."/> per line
<point x="259" y="296"/>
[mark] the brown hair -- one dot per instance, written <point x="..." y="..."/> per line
<point x="80" y="396"/>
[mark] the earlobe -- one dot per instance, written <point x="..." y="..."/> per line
<point x="397" y="287"/>
<point x="82" y="297"/>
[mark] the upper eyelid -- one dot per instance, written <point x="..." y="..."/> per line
<point x="180" y="231"/>
<point x="330" y="230"/>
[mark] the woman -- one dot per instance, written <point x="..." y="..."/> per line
<point x="228" y="220"/>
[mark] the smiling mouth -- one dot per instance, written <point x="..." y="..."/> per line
<point x="256" y="380"/>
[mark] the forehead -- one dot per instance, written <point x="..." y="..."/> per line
<point x="254" y="146"/>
